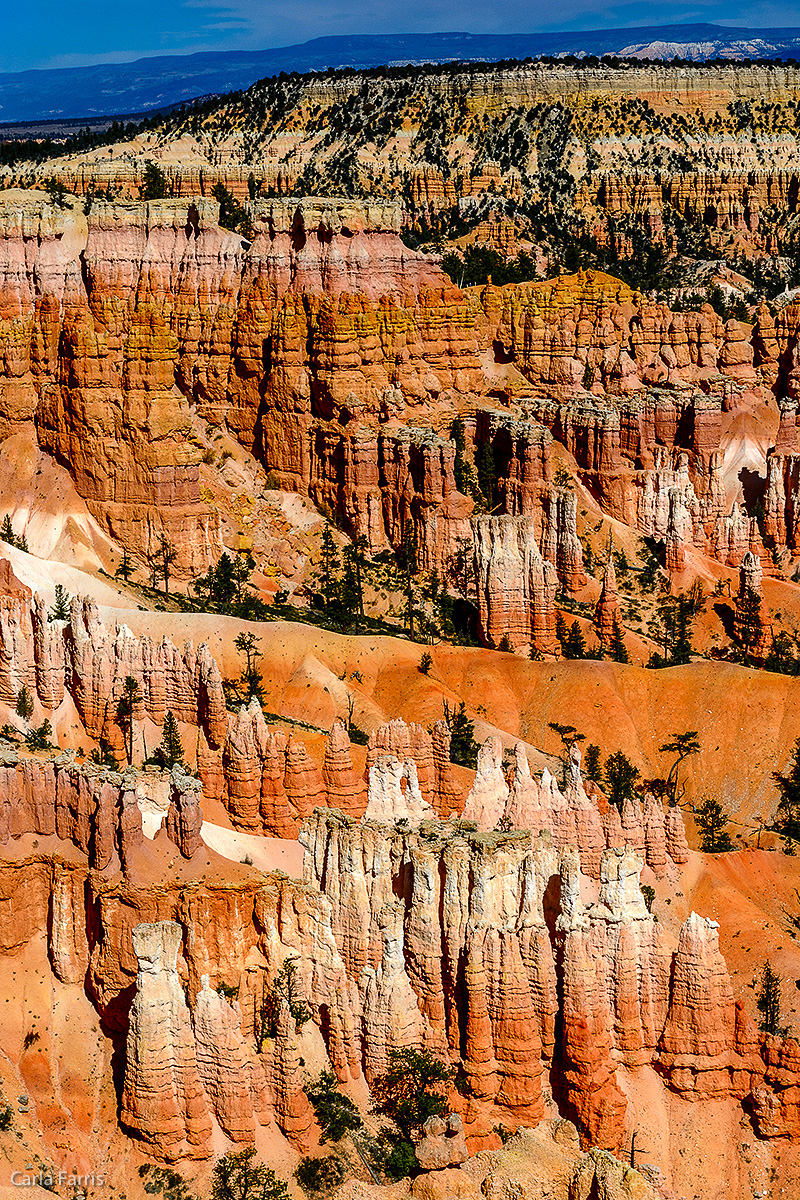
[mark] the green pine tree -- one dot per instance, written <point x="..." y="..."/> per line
<point x="7" y="531"/>
<point x="487" y="473"/>
<point x="574" y="643"/>
<point x="170" y="753"/>
<point x="463" y="470"/>
<point x="712" y="825"/>
<point x="620" y="778"/>
<point x="768" y="1001"/>
<point x="330" y="567"/>
<point x="126" y="567"/>
<point x="126" y="712"/>
<point x="748" y="612"/>
<point x="61" y="606"/>
<point x="618" y="649"/>
<point x="251" y="682"/>
<point x="591" y="764"/>
<point x="154" y="186"/>
<point x="787" y="814"/>
<point x="463" y="747"/>
<point x="24" y="703"/>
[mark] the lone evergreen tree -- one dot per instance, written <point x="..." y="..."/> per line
<point x="39" y="739"/>
<point x="170" y="753"/>
<point x="712" y="825"/>
<point x="412" y="1089"/>
<point x="682" y="629"/>
<point x="250" y="680"/>
<point x="591" y="764"/>
<point x="330" y="567"/>
<point x="239" y="1175"/>
<point x="787" y="814"/>
<point x="166" y="555"/>
<point x="7" y="531"/>
<point x="574" y="643"/>
<point x="24" y="703"/>
<point x="60" y="609"/>
<point x="569" y="736"/>
<point x="154" y="186"/>
<point x="748" y="612"/>
<point x="768" y="1001"/>
<point x="487" y="473"/>
<point x="126" y="567"/>
<point x="620" y="778"/>
<point x="352" y="586"/>
<point x="682" y="745"/>
<point x="242" y="567"/>
<point x="463" y="471"/>
<point x="407" y="560"/>
<point x="463" y="747"/>
<point x="152" y="565"/>
<point x="126" y="712"/>
<point x="618" y="650"/>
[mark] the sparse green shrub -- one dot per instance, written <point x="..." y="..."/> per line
<point x="414" y="1088"/>
<point x="286" y="988"/>
<point x="164" y="1182"/>
<point x="336" y="1113"/>
<point x="39" y="739"/>
<point x="318" y="1174"/>
<point x="238" y="1175"/>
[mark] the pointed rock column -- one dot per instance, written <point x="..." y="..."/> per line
<point x="678" y="524"/>
<point x="675" y="833"/>
<point x="292" y="1108"/>
<point x="631" y="944"/>
<point x="488" y="795"/>
<point x="697" y="1046"/>
<point x="302" y="780"/>
<point x="607" y="615"/>
<point x="185" y="816"/>
<point x="448" y="797"/>
<point x="393" y="793"/>
<point x="525" y="809"/>
<point x="589" y="1072"/>
<point x="345" y="790"/>
<point x="232" y="1077"/>
<point x="163" y="1099"/>
<point x="749" y="627"/>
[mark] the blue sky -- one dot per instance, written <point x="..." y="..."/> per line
<point x="50" y="33"/>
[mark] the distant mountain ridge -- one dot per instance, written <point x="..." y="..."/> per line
<point x="151" y="83"/>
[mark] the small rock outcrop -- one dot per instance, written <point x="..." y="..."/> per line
<point x="442" y="1143"/>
